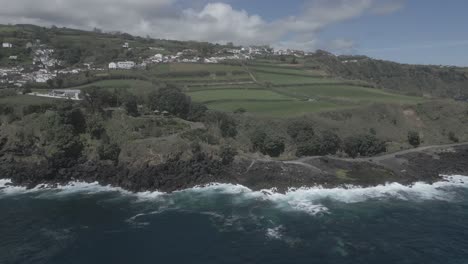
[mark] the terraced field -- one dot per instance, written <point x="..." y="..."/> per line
<point x="290" y="91"/>
<point x="262" y="89"/>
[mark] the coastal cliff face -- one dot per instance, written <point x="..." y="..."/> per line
<point x="424" y="165"/>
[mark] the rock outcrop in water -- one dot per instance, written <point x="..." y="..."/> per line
<point x="425" y="164"/>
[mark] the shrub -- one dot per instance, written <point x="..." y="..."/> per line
<point x="327" y="144"/>
<point x="414" y="139"/>
<point x="364" y="145"/>
<point x="109" y="152"/>
<point x="240" y="111"/>
<point x="453" y="137"/>
<point x="268" y="144"/>
<point x="300" y="131"/>
<point x="227" y="155"/>
<point x="200" y="135"/>
<point x="197" y="112"/>
<point x="131" y="106"/>
<point x="330" y="143"/>
<point x="273" y="146"/>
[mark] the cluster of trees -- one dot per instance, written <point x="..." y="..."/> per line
<point x="311" y="144"/>
<point x="268" y="143"/>
<point x="364" y="145"/>
<point x="62" y="129"/>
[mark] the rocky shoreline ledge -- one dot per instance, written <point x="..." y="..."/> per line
<point x="425" y="164"/>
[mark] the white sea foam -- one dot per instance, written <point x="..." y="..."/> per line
<point x="308" y="200"/>
<point x="275" y="233"/>
<point x="67" y="189"/>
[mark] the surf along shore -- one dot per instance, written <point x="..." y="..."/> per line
<point x="425" y="164"/>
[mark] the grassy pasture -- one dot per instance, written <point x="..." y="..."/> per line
<point x="276" y="108"/>
<point x="350" y="93"/>
<point x="137" y="87"/>
<point x="237" y="95"/>
<point x="191" y="67"/>
<point x="279" y="79"/>
<point x="24" y="100"/>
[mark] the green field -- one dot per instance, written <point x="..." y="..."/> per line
<point x="137" y="87"/>
<point x="294" y="91"/>
<point x="283" y="70"/>
<point x="24" y="100"/>
<point x="278" y="108"/>
<point x="237" y="95"/>
<point x="279" y="79"/>
<point x="349" y="93"/>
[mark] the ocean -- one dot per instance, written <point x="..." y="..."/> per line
<point x="89" y="223"/>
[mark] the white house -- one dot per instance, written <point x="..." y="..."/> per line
<point x="7" y="45"/>
<point x="126" y="45"/>
<point x="126" y="65"/>
<point x="13" y="57"/>
<point x="112" y="65"/>
<point x="65" y="93"/>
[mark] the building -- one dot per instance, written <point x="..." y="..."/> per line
<point x="126" y="45"/>
<point x="13" y="57"/>
<point x="112" y="65"/>
<point x="66" y="94"/>
<point x="7" y="45"/>
<point x="125" y="65"/>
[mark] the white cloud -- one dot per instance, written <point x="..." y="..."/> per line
<point x="342" y="46"/>
<point x="214" y="22"/>
<point x="388" y="6"/>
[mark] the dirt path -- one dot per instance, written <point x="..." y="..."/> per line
<point x="376" y="159"/>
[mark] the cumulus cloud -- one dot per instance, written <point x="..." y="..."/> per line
<point x="212" y="21"/>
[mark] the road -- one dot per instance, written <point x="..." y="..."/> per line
<point x="377" y="159"/>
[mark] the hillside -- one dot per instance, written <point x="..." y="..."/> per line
<point x="421" y="80"/>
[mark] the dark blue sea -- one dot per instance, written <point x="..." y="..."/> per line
<point x="87" y="223"/>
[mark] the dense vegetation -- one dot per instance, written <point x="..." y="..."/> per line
<point x="419" y="80"/>
<point x="185" y="111"/>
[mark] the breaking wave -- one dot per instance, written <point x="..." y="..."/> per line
<point x="305" y="200"/>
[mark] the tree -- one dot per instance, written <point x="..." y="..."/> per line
<point x="197" y="112"/>
<point x="227" y="155"/>
<point x="96" y="98"/>
<point x="328" y="143"/>
<point x="364" y="145"/>
<point x="59" y="82"/>
<point x="228" y="126"/>
<point x="109" y="152"/>
<point x="50" y="83"/>
<point x="267" y="144"/>
<point x="414" y="139"/>
<point x="300" y="131"/>
<point x="131" y="106"/>
<point x="27" y="90"/>
<point x="273" y="146"/>
<point x="63" y="145"/>
<point x="171" y="99"/>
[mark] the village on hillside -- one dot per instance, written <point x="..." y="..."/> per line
<point x="44" y="65"/>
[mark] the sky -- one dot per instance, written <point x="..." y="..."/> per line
<point x="407" y="31"/>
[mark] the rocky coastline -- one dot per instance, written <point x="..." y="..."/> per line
<point x="426" y="164"/>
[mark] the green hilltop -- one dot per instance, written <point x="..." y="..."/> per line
<point x="249" y="104"/>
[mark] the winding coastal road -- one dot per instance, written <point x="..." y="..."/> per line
<point x="375" y="159"/>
